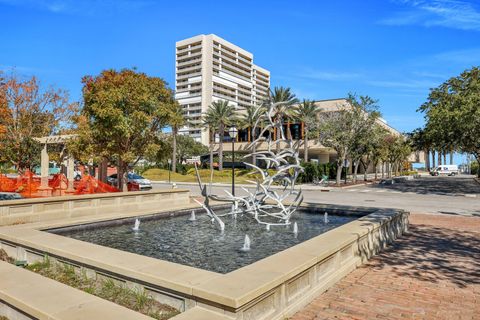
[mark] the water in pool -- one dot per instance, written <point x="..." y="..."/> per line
<point x="197" y="243"/>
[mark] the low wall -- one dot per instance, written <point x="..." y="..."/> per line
<point x="45" y="209"/>
<point x="272" y="288"/>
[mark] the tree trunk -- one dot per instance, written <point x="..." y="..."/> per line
<point x="277" y="133"/>
<point x="212" y="145"/>
<point x="122" y="179"/>
<point x="305" y="147"/>
<point x="383" y="169"/>
<point x="355" y="171"/>
<point x="389" y="170"/>
<point x="439" y="158"/>
<point x="427" y="159"/>
<point x="376" y="169"/>
<point x="220" y="149"/>
<point x="102" y="172"/>
<point x="365" y="169"/>
<point x="451" y="157"/>
<point x="445" y="157"/>
<point x="174" y="149"/>
<point x="254" y="148"/>
<point x="433" y="159"/>
<point x="339" y="172"/>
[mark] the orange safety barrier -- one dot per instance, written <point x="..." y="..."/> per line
<point x="7" y="184"/>
<point x="28" y="184"/>
<point x="90" y="185"/>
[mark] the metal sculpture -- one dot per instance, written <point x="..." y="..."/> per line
<point x="266" y="204"/>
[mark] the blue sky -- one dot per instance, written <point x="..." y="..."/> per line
<point x="393" y="51"/>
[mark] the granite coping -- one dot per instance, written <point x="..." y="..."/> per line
<point x="44" y="298"/>
<point x="88" y="196"/>
<point x="232" y="290"/>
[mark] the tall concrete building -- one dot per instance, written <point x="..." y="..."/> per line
<point x="208" y="69"/>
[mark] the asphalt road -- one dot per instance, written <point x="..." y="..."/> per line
<point x="449" y="195"/>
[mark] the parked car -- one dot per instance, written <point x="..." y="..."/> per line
<point x="135" y="182"/>
<point x="446" y="169"/>
<point x="10" y="196"/>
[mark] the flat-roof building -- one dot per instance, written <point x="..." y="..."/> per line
<point x="208" y="69"/>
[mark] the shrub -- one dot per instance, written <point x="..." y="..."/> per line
<point x="475" y="168"/>
<point x="314" y="171"/>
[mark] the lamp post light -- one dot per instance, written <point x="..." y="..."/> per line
<point x="169" y="169"/>
<point x="233" y="135"/>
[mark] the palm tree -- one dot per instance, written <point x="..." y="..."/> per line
<point x="306" y="112"/>
<point x="284" y="99"/>
<point x="177" y="120"/>
<point x="222" y="115"/>
<point x="249" y="120"/>
<point x="210" y="123"/>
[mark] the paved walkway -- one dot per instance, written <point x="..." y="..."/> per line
<point x="433" y="272"/>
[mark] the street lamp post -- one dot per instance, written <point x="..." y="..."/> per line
<point x="233" y="135"/>
<point x="169" y="169"/>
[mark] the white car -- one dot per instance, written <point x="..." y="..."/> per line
<point x="446" y="169"/>
<point x="135" y="182"/>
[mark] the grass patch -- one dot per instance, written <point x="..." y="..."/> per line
<point x="224" y="176"/>
<point x="137" y="300"/>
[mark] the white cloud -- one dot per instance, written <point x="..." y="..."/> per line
<point x="464" y="57"/>
<point x="420" y="84"/>
<point x="455" y="14"/>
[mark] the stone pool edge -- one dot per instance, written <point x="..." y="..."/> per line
<point x="271" y="288"/>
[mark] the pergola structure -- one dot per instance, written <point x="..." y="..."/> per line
<point x="69" y="163"/>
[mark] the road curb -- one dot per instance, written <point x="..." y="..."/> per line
<point x="303" y="187"/>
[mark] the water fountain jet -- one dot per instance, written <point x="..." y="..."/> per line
<point x="246" y="244"/>
<point x="136" y="226"/>
<point x="295" y="228"/>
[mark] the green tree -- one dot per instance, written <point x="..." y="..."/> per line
<point x="307" y="113"/>
<point x="123" y="113"/>
<point x="188" y="148"/>
<point x="343" y="129"/>
<point x="365" y="115"/>
<point x="397" y="152"/>
<point x="453" y="115"/>
<point x="374" y="149"/>
<point x="249" y="119"/>
<point x="176" y="120"/>
<point x="222" y="115"/>
<point x="210" y="123"/>
<point x="282" y="99"/>
<point x="420" y="141"/>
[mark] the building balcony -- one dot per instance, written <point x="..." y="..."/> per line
<point x="186" y="76"/>
<point x="188" y="48"/>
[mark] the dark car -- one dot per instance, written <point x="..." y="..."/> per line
<point x="10" y="196"/>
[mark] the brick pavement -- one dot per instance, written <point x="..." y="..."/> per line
<point x="433" y="272"/>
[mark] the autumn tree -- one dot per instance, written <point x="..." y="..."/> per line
<point x="123" y="113"/>
<point x="28" y="112"/>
